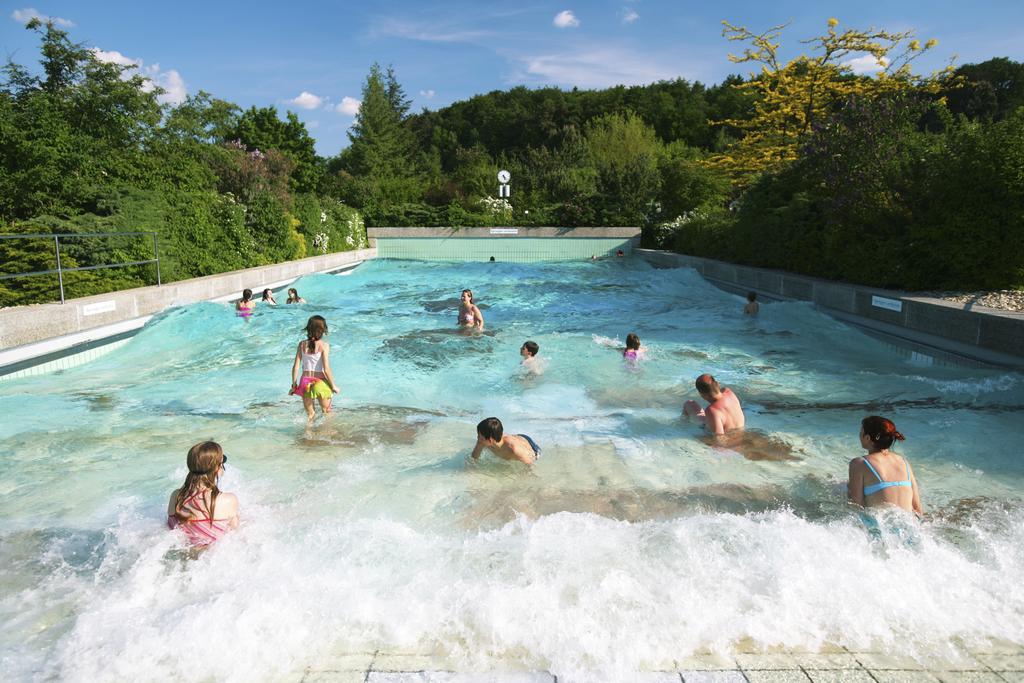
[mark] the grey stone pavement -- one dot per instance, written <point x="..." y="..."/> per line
<point x="998" y="663"/>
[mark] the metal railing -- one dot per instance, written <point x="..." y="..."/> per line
<point x="59" y="271"/>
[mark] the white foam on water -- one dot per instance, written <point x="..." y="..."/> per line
<point x="571" y="593"/>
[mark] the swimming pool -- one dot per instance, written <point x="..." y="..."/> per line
<point x="631" y="542"/>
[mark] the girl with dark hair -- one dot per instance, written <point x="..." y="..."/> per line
<point x="881" y="477"/>
<point x="268" y="297"/>
<point x="199" y="508"/>
<point x="293" y="297"/>
<point x="245" y="305"/>
<point x="312" y="359"/>
<point x="469" y="313"/>
<point x="632" y="350"/>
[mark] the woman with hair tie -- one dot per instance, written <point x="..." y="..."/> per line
<point x="199" y="508"/>
<point x="881" y="477"/>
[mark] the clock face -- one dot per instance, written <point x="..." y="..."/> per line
<point x="504" y="176"/>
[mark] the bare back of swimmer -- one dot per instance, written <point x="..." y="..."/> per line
<point x="724" y="412"/>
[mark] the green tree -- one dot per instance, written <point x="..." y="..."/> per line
<point x="624" y="153"/>
<point x="261" y="129"/>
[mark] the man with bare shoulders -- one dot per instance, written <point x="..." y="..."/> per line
<point x="723" y="414"/>
<point x="491" y="434"/>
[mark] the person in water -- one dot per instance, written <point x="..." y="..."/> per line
<point x="294" y="298"/>
<point x="529" y="351"/>
<point x="245" y="305"/>
<point x="882" y="477"/>
<point x="723" y="414"/>
<point x="632" y="350"/>
<point x="268" y="297"/>
<point x="752" y="307"/>
<point x="311" y="371"/>
<point x="199" y="508"/>
<point x="490" y="434"/>
<point x="469" y="313"/>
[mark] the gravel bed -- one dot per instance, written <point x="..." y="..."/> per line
<point x="1005" y="300"/>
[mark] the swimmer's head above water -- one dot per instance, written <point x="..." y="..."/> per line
<point x="878" y="433"/>
<point x="490" y="429"/>
<point x="708" y="387"/>
<point x="529" y="349"/>
<point x="467" y="296"/>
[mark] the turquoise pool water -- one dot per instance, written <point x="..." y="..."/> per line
<point x="632" y="542"/>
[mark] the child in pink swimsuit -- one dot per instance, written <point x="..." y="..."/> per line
<point x="632" y="350"/>
<point x="199" y="509"/>
<point x="469" y="313"/>
<point x="312" y="358"/>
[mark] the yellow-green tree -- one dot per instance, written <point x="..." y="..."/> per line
<point x="792" y="96"/>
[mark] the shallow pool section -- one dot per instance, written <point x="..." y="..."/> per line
<point x="632" y="542"/>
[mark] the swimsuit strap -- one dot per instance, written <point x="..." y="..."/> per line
<point x="873" y="471"/>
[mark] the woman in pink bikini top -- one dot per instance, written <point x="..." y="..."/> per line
<point x="469" y="313"/>
<point x="198" y="508"/>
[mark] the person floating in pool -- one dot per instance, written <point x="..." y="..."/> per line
<point x="294" y="298"/>
<point x="531" y="363"/>
<point x="312" y="360"/>
<point x="469" y="314"/>
<point x="245" y="305"/>
<point x="752" y="307"/>
<point x="490" y="434"/>
<point x="723" y="414"/>
<point x="268" y="297"/>
<point x="633" y="350"/>
<point x="882" y="477"/>
<point x="199" y="508"/>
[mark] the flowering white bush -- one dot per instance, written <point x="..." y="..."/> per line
<point x="497" y="207"/>
<point x="323" y="217"/>
<point x="663" y="232"/>
<point x="320" y="241"/>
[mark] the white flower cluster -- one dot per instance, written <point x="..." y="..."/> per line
<point x="320" y="241"/>
<point x="323" y="217"/>
<point x="497" y="207"/>
<point x="687" y="217"/>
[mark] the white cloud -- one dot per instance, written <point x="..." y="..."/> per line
<point x="306" y="100"/>
<point x="566" y="19"/>
<point x="430" y="33"/>
<point x="348" y="106"/>
<point x="29" y="13"/>
<point x="115" y="57"/>
<point x="867" y="64"/>
<point x="629" y="16"/>
<point x="170" y="80"/>
<point x="595" y="68"/>
<point x="427" y="94"/>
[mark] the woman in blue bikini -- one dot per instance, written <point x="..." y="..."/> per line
<point x="882" y="477"/>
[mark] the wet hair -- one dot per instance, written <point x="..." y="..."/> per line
<point x="204" y="461"/>
<point x="619" y="253"/>
<point x="246" y="294"/>
<point x="490" y="428"/>
<point x="292" y="290"/>
<point x="751" y="297"/>
<point x="531" y="348"/>
<point x="881" y="431"/>
<point x="632" y="342"/>
<point x="707" y="385"/>
<point x="316" y="328"/>
<point x="492" y="258"/>
<point x="471" y="299"/>
<point x="268" y="293"/>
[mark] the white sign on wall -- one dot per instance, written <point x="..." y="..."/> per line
<point x="99" y="307"/>
<point x="891" y="304"/>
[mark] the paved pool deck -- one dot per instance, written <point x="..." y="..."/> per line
<point x="997" y="663"/>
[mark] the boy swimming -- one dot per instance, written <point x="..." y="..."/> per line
<point x="490" y="434"/>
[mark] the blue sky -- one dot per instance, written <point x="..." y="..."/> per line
<point x="312" y="57"/>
